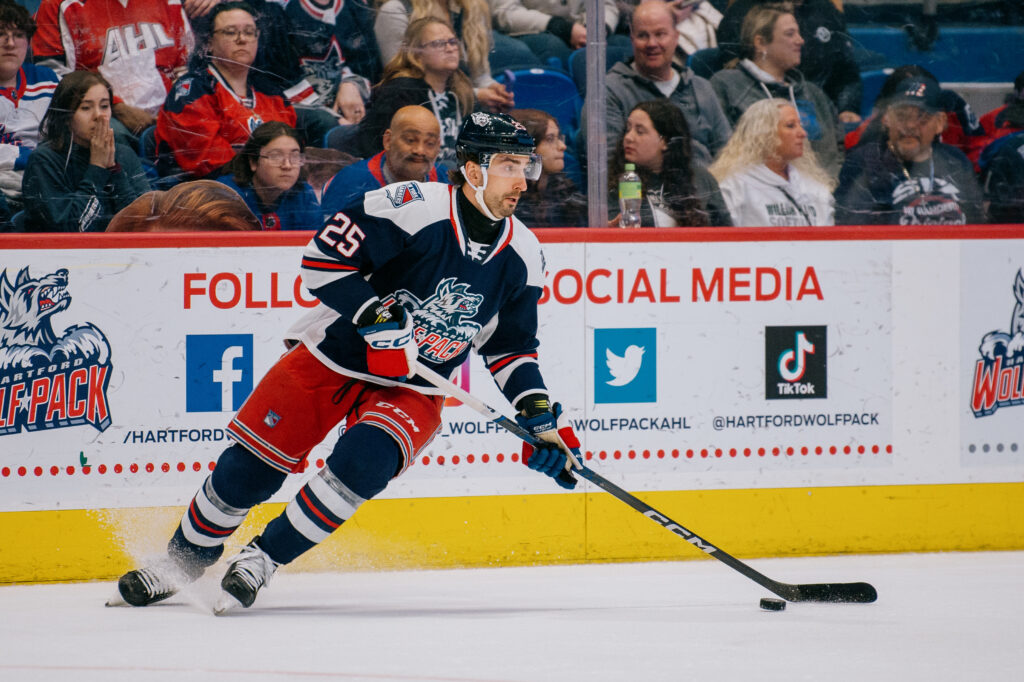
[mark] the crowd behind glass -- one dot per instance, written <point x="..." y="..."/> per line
<point x="135" y="115"/>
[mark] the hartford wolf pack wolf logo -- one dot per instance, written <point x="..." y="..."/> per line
<point x="441" y="320"/>
<point x="999" y="374"/>
<point x="48" y="381"/>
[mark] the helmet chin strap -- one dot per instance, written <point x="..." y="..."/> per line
<point x="478" y="192"/>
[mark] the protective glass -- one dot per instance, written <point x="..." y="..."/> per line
<point x="513" y="165"/>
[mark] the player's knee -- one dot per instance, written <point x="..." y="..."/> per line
<point x="365" y="459"/>
<point x="243" y="480"/>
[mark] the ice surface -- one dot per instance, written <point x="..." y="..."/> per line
<point x="939" y="617"/>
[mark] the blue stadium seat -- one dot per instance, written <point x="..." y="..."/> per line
<point x="578" y="64"/>
<point x="550" y="91"/>
<point x="706" y="62"/>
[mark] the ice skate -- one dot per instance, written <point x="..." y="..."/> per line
<point x="149" y="585"/>
<point x="246" y="574"/>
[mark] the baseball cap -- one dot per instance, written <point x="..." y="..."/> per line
<point x="919" y="92"/>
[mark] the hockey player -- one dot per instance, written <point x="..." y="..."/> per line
<point x="419" y="272"/>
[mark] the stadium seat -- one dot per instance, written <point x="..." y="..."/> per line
<point x="550" y="91"/>
<point x="706" y="62"/>
<point x="578" y="64"/>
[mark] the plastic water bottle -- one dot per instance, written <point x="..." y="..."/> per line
<point x="630" y="196"/>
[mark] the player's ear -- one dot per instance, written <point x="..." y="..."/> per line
<point x="386" y="140"/>
<point x="476" y="175"/>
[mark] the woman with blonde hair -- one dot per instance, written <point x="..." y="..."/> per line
<point x="768" y="175"/>
<point x="424" y="72"/>
<point x="471" y="22"/>
<point x="771" y="47"/>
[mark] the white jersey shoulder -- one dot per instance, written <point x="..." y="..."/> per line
<point x="410" y="205"/>
<point x="527" y="246"/>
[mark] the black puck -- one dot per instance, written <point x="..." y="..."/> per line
<point x="769" y="604"/>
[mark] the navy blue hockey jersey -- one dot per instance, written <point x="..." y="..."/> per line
<point x="406" y="243"/>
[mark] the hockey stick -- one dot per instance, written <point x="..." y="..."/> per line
<point x="813" y="592"/>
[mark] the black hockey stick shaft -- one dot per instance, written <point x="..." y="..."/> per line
<point x="816" y="592"/>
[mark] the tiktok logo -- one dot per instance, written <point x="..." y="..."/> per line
<point x="792" y="363"/>
<point x="795" y="363"/>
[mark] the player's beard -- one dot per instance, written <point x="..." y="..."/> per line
<point x="502" y="209"/>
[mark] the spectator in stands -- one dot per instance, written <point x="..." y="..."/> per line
<point x="1005" y="120"/>
<point x="768" y="175"/>
<point x="553" y="200"/>
<point x="771" y="46"/>
<point x="549" y="28"/>
<point x="411" y="146"/>
<point x="424" y="72"/>
<point x="909" y="178"/>
<point x="78" y="177"/>
<point x="651" y="75"/>
<point x="216" y="105"/>
<point x="267" y="174"/>
<point x="677" y="192"/>
<point x="139" y="46"/>
<point x="331" y="54"/>
<point x="26" y="91"/>
<point x="697" y="24"/>
<point x="196" y="206"/>
<point x="471" y="21"/>
<point x="1004" y="181"/>
<point x="962" y="128"/>
<point x="826" y="55"/>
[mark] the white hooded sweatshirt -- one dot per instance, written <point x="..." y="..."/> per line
<point x="759" y="197"/>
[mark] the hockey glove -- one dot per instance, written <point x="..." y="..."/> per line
<point x="548" y="424"/>
<point x="391" y="347"/>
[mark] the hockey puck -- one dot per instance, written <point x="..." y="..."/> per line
<point x="769" y="604"/>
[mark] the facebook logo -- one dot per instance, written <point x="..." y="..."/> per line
<point x="218" y="371"/>
<point x="626" y="365"/>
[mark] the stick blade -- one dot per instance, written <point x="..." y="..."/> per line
<point x="844" y="593"/>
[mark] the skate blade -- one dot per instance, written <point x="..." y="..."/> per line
<point x="225" y="603"/>
<point x="116" y="599"/>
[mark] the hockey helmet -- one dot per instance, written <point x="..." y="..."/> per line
<point x="484" y="135"/>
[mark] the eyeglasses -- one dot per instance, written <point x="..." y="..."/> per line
<point x="233" y="32"/>
<point x="554" y="139"/>
<point x="441" y="44"/>
<point x="277" y="158"/>
<point x="13" y="35"/>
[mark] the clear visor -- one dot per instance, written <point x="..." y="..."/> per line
<point x="512" y="165"/>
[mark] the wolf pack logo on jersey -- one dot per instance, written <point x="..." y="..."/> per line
<point x="625" y="365"/>
<point x="48" y="381"/>
<point x="999" y="374"/>
<point x="924" y="202"/>
<point x="795" y="363"/>
<point x="324" y="72"/>
<point x="403" y="194"/>
<point x="442" y="326"/>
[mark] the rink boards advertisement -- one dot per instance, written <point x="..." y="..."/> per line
<point x="739" y="360"/>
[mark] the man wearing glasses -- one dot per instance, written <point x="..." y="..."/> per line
<point x="219" y="104"/>
<point x="910" y="177"/>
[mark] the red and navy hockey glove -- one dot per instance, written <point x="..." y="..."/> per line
<point x="547" y="423"/>
<point x="391" y="349"/>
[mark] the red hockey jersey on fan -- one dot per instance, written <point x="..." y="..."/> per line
<point x="114" y="39"/>
<point x="202" y="118"/>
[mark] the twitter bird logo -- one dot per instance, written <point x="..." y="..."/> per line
<point x="625" y="368"/>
